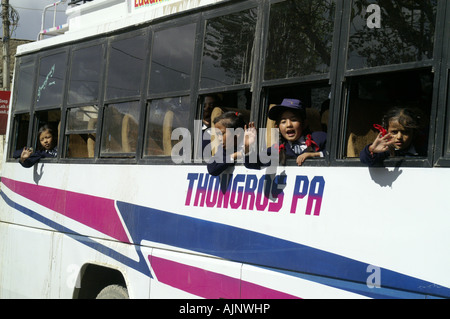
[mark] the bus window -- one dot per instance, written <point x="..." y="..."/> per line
<point x="51" y="76"/>
<point x="307" y="50"/>
<point x="85" y="73"/>
<point x="213" y="105"/>
<point x="172" y="56"/>
<point x="24" y="85"/>
<point x="120" y="129"/>
<point x="81" y="131"/>
<point x="209" y="102"/>
<point x="228" y="49"/>
<point x="371" y="96"/>
<point x="402" y="32"/>
<point x="315" y="98"/>
<point x="52" y="118"/>
<point x="125" y="65"/>
<point x="19" y="138"/>
<point x="22" y="102"/>
<point x="163" y="116"/>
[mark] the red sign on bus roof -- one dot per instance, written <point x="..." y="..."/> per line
<point x="141" y="3"/>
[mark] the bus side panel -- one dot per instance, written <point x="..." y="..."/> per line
<point x="310" y="286"/>
<point x="77" y="252"/>
<point x="26" y="271"/>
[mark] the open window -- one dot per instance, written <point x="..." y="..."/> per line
<point x="21" y="123"/>
<point x="371" y="96"/>
<point x="50" y="119"/>
<point x="314" y="97"/>
<point x="213" y="105"/>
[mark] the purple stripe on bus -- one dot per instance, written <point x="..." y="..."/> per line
<point x="208" y="284"/>
<point x="95" y="212"/>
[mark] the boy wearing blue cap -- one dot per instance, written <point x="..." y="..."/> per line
<point x="295" y="141"/>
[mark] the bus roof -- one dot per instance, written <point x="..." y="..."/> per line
<point x="102" y="16"/>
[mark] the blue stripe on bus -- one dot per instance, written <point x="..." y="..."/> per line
<point x="250" y="247"/>
<point x="357" y="288"/>
<point x="245" y="246"/>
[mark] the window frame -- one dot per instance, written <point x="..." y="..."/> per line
<point x="12" y="134"/>
<point x="340" y="108"/>
<point x="338" y="76"/>
<point x="124" y="36"/>
<point x="46" y="54"/>
<point x="307" y="80"/>
<point x="442" y="142"/>
<point x="147" y="97"/>
<point x="102" y="42"/>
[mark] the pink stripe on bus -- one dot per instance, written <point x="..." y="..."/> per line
<point x="208" y="284"/>
<point x="195" y="280"/>
<point x="95" y="212"/>
<point x="254" y="291"/>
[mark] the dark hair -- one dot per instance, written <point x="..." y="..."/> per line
<point x="231" y="120"/>
<point x="407" y="117"/>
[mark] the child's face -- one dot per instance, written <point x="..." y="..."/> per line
<point x="402" y="137"/>
<point x="221" y="133"/>
<point x="46" y="140"/>
<point x="290" y="126"/>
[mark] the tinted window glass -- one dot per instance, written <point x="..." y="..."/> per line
<point x="82" y="118"/>
<point x="81" y="131"/>
<point x="172" y="57"/>
<point x="24" y="85"/>
<point x="165" y="115"/>
<point x="228" y="49"/>
<point x="405" y="32"/>
<point x="85" y="74"/>
<point x="300" y="38"/>
<point x="125" y="68"/>
<point x="120" y="128"/>
<point x="51" y="75"/>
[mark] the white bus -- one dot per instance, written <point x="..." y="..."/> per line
<point x="113" y="215"/>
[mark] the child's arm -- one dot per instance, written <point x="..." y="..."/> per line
<point x="375" y="153"/>
<point x="27" y="158"/>
<point x="302" y="157"/>
<point x="381" y="144"/>
<point x="219" y="162"/>
<point x="250" y="148"/>
<point x="250" y="137"/>
<point x="26" y="153"/>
